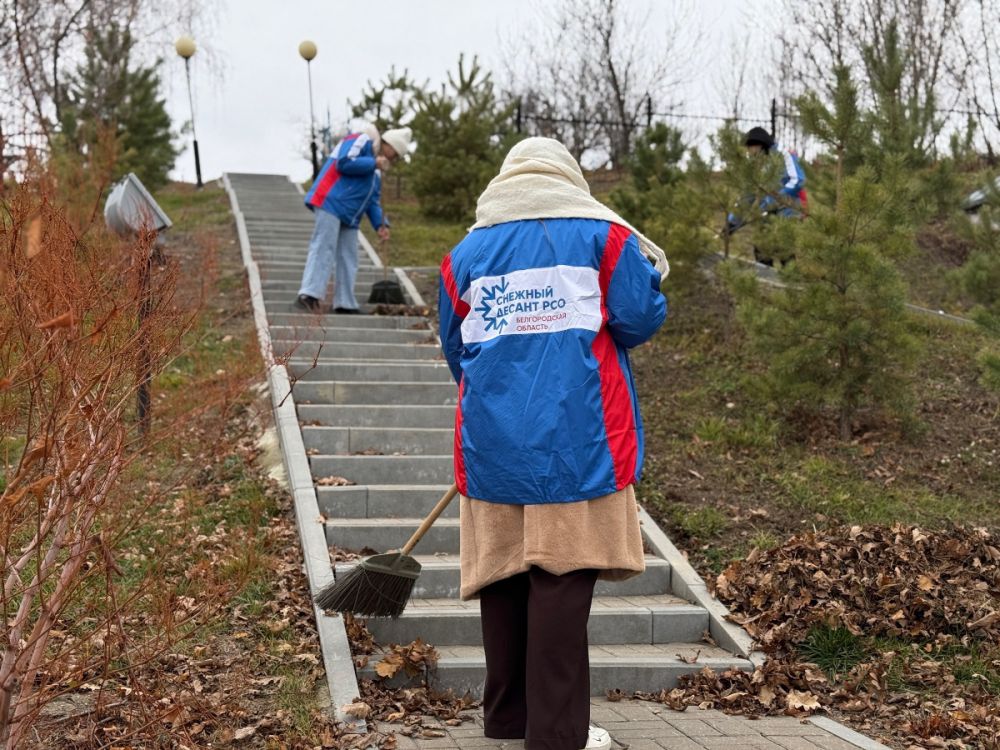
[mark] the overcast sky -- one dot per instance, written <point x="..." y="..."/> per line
<point x="251" y="91"/>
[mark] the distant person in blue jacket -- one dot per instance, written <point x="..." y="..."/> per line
<point x="348" y="186"/>
<point x="539" y="306"/>
<point x="791" y="199"/>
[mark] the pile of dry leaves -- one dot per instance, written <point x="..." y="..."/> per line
<point x="925" y="607"/>
<point x="419" y="709"/>
<point x="874" y="581"/>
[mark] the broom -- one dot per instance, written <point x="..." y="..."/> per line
<point x="380" y="586"/>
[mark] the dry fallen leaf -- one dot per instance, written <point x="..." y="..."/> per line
<point x="244" y="732"/>
<point x="390" y="665"/>
<point x="334" y="481"/>
<point x="801" y="700"/>
<point x="357" y="710"/>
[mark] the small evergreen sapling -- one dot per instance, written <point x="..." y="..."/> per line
<point x="462" y="133"/>
<point x="109" y="94"/>
<point x="835" y="334"/>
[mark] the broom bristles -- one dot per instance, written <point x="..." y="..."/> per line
<point x="367" y="593"/>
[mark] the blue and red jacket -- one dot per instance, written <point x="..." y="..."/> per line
<point x="537" y="317"/>
<point x="349" y="185"/>
<point x="793" y="181"/>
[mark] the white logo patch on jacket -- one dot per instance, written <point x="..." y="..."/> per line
<point x="535" y="300"/>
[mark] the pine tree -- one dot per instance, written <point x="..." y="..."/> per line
<point x="835" y="335"/>
<point x="904" y="119"/>
<point x="843" y="129"/>
<point x="462" y="133"/>
<point x="108" y="93"/>
<point x="388" y="103"/>
<point x="664" y="203"/>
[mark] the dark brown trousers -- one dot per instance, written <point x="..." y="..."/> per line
<point x="537" y="665"/>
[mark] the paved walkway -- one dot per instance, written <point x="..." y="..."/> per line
<point x="639" y="725"/>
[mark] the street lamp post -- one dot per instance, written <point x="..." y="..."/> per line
<point x="185" y="47"/>
<point x="308" y="51"/>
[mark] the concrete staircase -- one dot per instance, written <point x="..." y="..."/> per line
<point x="376" y="406"/>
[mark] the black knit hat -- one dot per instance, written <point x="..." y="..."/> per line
<point x="760" y="137"/>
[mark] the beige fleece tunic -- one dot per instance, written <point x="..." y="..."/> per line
<point x="500" y="540"/>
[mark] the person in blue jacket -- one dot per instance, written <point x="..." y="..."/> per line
<point x="348" y="187"/>
<point x="538" y="308"/>
<point x="790" y="201"/>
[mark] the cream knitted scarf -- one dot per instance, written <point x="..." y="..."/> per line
<point x="540" y="179"/>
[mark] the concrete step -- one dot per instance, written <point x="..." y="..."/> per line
<point x="385" y="469"/>
<point x="291" y="280"/>
<point x="276" y="302"/>
<point x="339" y="350"/>
<point x="440" y="577"/>
<point x="377" y="416"/>
<point x="327" y="392"/>
<point x="292" y="273"/>
<point x="290" y="258"/>
<point x="329" y="320"/>
<point x="385" y="371"/>
<point x="361" y="334"/>
<point x="383" y="501"/>
<point x="383" y="534"/>
<point x="649" y="668"/>
<point x="411" y="441"/>
<point x="613" y="620"/>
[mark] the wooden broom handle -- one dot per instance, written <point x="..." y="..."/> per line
<point x="431" y="518"/>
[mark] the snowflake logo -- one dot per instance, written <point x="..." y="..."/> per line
<point x="486" y="308"/>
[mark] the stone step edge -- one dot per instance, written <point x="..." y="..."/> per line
<point x="671" y="605"/>
<point x="341" y="677"/>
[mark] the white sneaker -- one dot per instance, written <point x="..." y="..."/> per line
<point x="597" y="738"/>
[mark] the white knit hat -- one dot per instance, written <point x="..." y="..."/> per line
<point x="399" y="139"/>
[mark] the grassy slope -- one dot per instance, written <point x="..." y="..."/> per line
<point x="725" y="472"/>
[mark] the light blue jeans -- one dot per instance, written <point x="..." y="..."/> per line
<point x="332" y="244"/>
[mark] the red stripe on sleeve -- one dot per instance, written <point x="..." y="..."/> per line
<point x="461" y="307"/>
<point x="617" y="236"/>
<point x="326" y="182"/>
<point x="460" y="478"/>
<point x="616" y="400"/>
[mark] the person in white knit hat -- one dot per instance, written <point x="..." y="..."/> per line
<point x="348" y="187"/>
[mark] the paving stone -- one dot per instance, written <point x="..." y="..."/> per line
<point x="829" y="742"/>
<point x="645" y="726"/>
<point x="601" y="714"/>
<point x="466" y="731"/>
<point x="680" y="743"/>
<point x="694" y="727"/>
<point x="796" y="743"/>
<point x="790" y="728"/>
<point x="732" y="727"/>
<point x="636" y="712"/>
<point x="639" y="744"/>
<point x="435" y="743"/>
<point x="663" y="730"/>
<point x="733" y="743"/>
<point x="483" y="741"/>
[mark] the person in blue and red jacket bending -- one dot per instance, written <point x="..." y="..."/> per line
<point x="539" y="306"/>
<point x="348" y="187"/>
